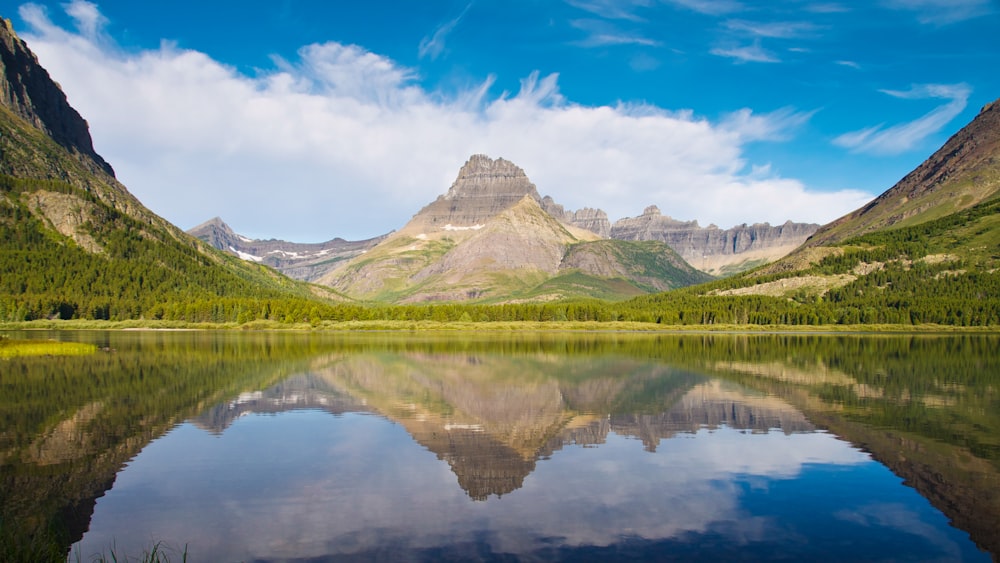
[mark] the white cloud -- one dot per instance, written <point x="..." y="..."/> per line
<point x="753" y="53"/>
<point x="943" y="12"/>
<point x="773" y="126"/>
<point x="433" y="45"/>
<point x="777" y="29"/>
<point x="344" y="142"/>
<point x="601" y="33"/>
<point x="900" y="138"/>
<point x="88" y="18"/>
<point x="611" y="9"/>
<point x="850" y="64"/>
<point x="709" y="7"/>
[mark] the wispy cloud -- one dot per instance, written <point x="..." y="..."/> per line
<point x="612" y="9"/>
<point x="778" y="125"/>
<point x="776" y="30"/>
<point x="342" y="141"/>
<point x="433" y="45"/>
<point x="709" y="7"/>
<point x="900" y="138"/>
<point x="943" y="12"/>
<point x="850" y="64"/>
<point x="601" y="33"/>
<point x="827" y="8"/>
<point x="753" y="53"/>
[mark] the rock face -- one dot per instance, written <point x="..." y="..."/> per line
<point x="28" y="91"/>
<point x="303" y="261"/>
<point x="483" y="189"/>
<point x="492" y="236"/>
<point x="711" y="249"/>
<point x="594" y="220"/>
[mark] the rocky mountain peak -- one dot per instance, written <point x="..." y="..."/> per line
<point x="482" y="176"/>
<point x="27" y="89"/>
<point x="651" y="210"/>
<point x="483" y="189"/>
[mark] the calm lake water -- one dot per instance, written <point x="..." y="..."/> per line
<point x="592" y="447"/>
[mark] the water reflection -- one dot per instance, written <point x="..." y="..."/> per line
<point x="491" y="428"/>
<point x="290" y="447"/>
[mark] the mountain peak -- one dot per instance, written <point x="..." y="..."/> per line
<point x="482" y="176"/>
<point x="484" y="188"/>
<point x="27" y="90"/>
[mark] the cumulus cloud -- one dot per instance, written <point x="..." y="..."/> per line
<point x="341" y="141"/>
<point x="900" y="138"/>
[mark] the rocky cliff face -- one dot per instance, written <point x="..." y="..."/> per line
<point x="483" y="189"/>
<point x="28" y="91"/>
<point x="594" y="220"/>
<point x="302" y="261"/>
<point x="711" y="249"/>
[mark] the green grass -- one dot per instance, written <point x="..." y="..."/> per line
<point x="18" y="348"/>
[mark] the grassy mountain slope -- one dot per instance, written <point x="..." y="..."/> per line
<point x="962" y="173"/>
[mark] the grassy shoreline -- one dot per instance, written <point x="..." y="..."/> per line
<point x="500" y="326"/>
<point x="13" y="348"/>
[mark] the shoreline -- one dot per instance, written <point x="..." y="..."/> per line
<point x="499" y="326"/>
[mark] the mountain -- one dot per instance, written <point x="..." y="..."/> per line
<point x="74" y="243"/>
<point x="927" y="251"/>
<point x="961" y="174"/>
<point x="489" y="238"/>
<point x="711" y="249"/>
<point x="301" y="261"/>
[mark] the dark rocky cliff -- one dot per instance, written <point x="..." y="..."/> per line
<point x="27" y="89"/>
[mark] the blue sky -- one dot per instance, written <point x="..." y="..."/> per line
<point x="309" y="120"/>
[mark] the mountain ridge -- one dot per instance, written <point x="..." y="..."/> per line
<point x="963" y="172"/>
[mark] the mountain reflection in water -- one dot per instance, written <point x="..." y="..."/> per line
<point x="557" y="447"/>
<point x="492" y="431"/>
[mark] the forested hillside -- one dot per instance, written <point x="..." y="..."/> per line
<point x="129" y="272"/>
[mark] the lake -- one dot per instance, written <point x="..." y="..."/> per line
<point x="285" y="446"/>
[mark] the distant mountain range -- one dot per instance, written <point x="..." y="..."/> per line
<point x="489" y="238"/>
<point x="710" y="249"/>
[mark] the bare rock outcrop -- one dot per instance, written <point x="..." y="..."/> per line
<point x="712" y="249"/>
<point x="483" y="189"/>
<point x="594" y="220"/>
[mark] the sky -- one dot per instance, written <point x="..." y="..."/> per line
<point x="308" y="120"/>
